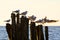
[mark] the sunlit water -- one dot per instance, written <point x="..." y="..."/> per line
<point x="54" y="33"/>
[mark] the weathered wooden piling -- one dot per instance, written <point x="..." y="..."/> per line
<point x="33" y="31"/>
<point x="24" y="28"/>
<point x="13" y="19"/>
<point x="46" y="32"/>
<point x="9" y="30"/>
<point x="40" y="35"/>
<point x="17" y="32"/>
<point x="17" y="18"/>
<point x="13" y="26"/>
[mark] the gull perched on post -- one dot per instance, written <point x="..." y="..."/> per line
<point x="32" y="18"/>
<point x="45" y="20"/>
<point x="23" y="13"/>
<point x="17" y="11"/>
<point x="7" y="20"/>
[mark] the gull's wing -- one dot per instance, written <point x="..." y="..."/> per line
<point x="17" y="11"/>
<point x="49" y="21"/>
<point x="7" y="20"/>
<point x="39" y="21"/>
<point x="32" y="17"/>
<point x="24" y="13"/>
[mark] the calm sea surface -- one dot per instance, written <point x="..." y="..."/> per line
<point x="54" y="33"/>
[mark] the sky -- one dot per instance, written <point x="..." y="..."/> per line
<point x="39" y="8"/>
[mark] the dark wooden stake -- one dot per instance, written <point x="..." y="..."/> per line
<point x="33" y="31"/>
<point x="46" y="32"/>
<point x="24" y="28"/>
<point x="18" y="18"/>
<point x="40" y="34"/>
<point x="17" y="29"/>
<point x="9" y="30"/>
<point x="13" y="26"/>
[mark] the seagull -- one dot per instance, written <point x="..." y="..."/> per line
<point x="7" y="20"/>
<point x="32" y="18"/>
<point x="17" y="11"/>
<point x="45" y="20"/>
<point x="24" y="13"/>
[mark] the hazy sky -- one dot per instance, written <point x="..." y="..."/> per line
<point x="39" y="8"/>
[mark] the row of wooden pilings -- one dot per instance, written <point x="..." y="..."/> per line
<point x="19" y="29"/>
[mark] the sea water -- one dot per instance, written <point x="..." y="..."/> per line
<point x="3" y="33"/>
<point x="54" y="33"/>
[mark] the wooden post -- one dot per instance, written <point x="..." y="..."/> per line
<point x="17" y="31"/>
<point x="24" y="28"/>
<point x="9" y="30"/>
<point x="33" y="31"/>
<point x="13" y="26"/>
<point x="13" y="19"/>
<point x="18" y="18"/>
<point x="40" y="35"/>
<point x="46" y="32"/>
